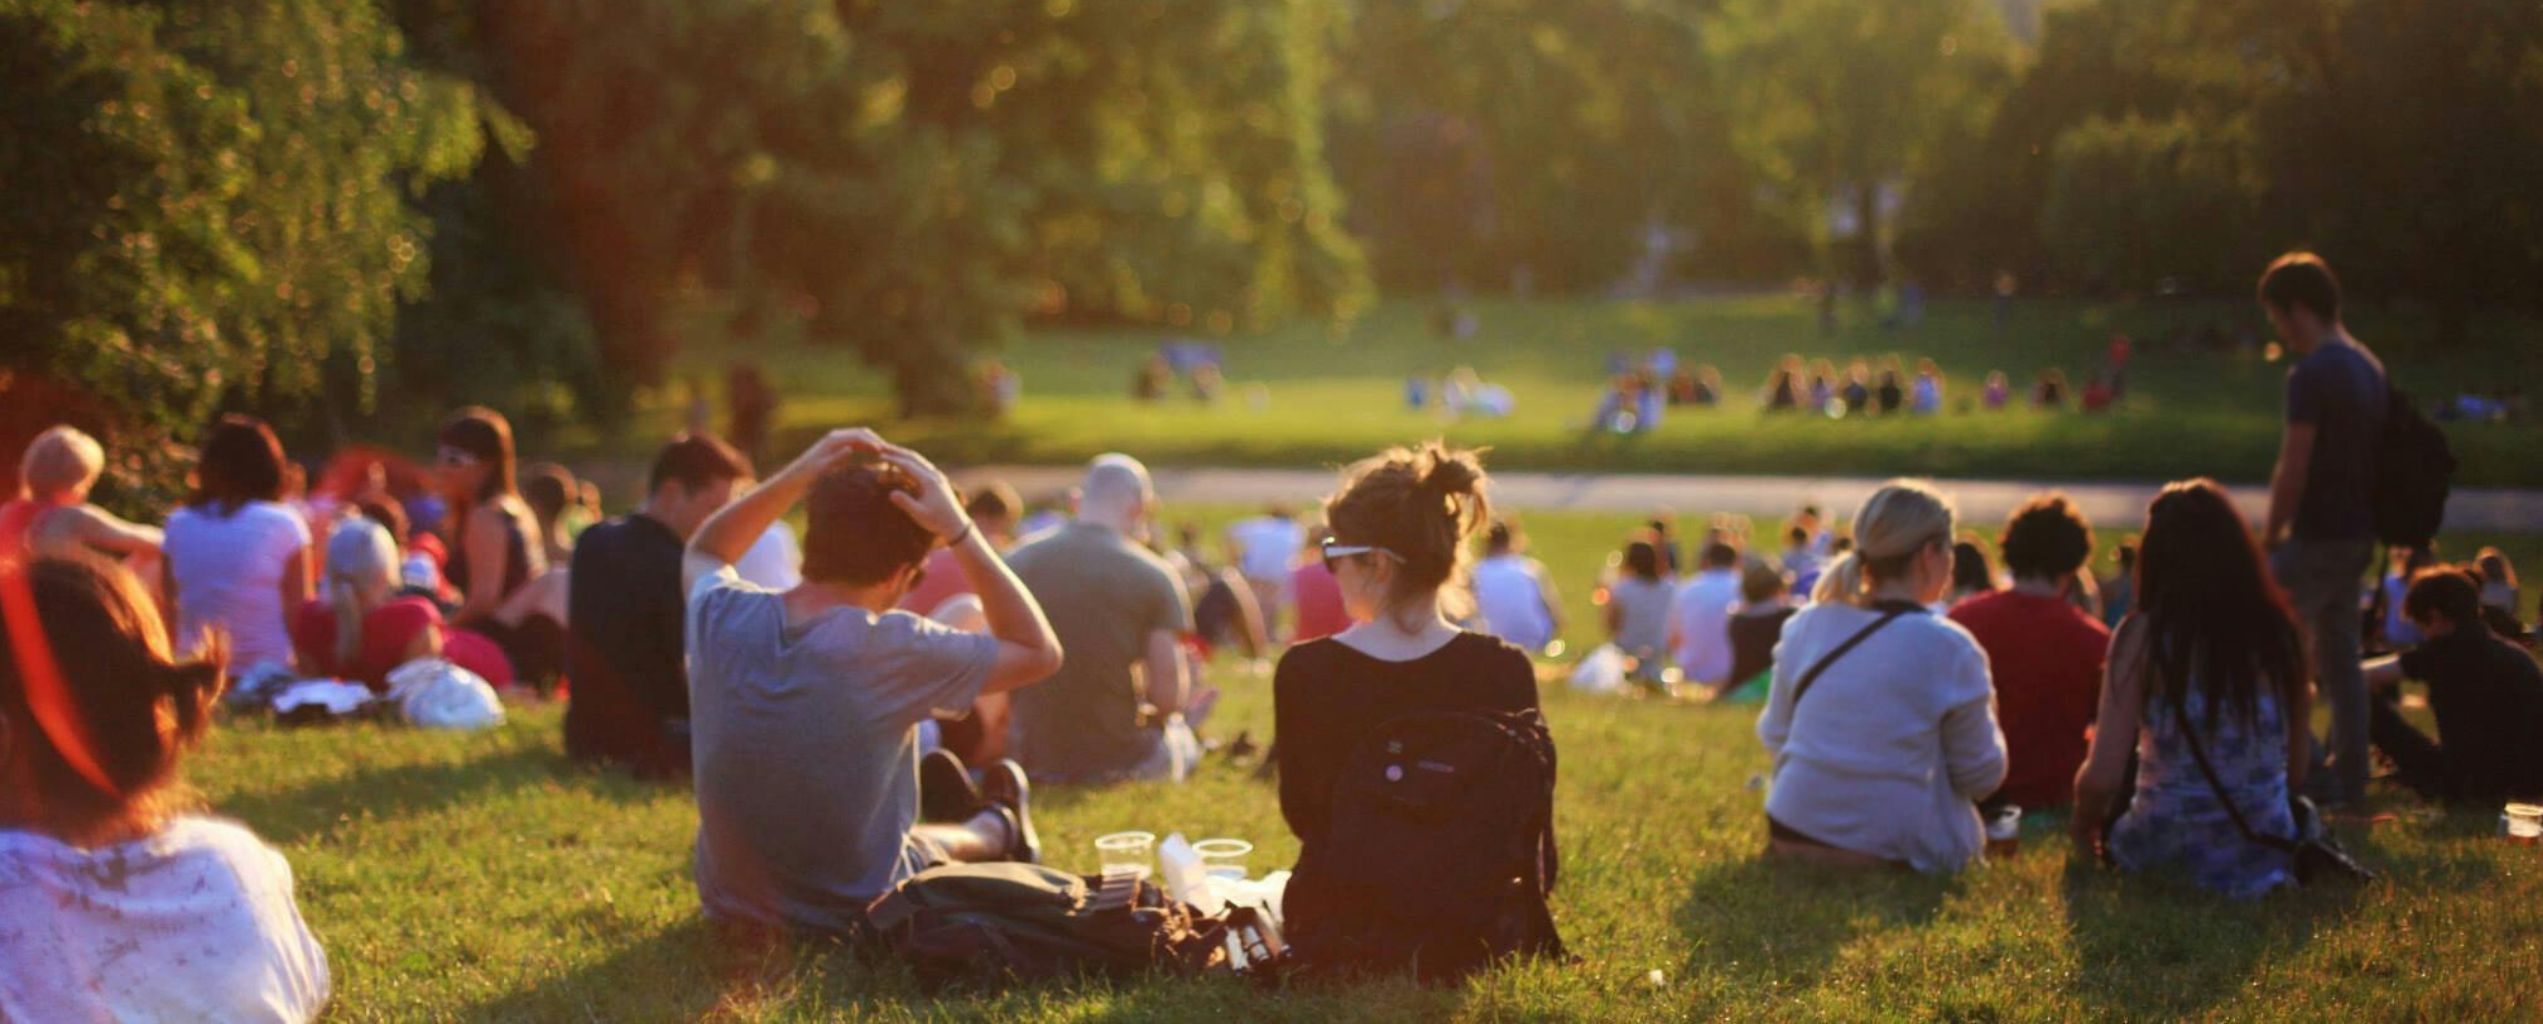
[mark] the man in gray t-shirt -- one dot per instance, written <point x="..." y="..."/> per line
<point x="804" y="704"/>
<point x="1122" y="613"/>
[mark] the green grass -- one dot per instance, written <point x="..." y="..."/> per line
<point x="483" y="877"/>
<point x="1330" y="396"/>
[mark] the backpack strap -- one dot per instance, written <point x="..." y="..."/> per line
<point x="1890" y="612"/>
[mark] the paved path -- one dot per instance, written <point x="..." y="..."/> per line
<point x="2109" y="504"/>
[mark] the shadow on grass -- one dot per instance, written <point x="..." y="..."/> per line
<point x="2154" y="945"/>
<point x="685" y="972"/>
<point x="288" y="815"/>
<point x="697" y="970"/>
<point x="1779" y="925"/>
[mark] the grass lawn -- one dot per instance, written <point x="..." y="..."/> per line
<point x="482" y="877"/>
<point x="1328" y="396"/>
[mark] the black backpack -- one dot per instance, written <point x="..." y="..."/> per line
<point x="1440" y="853"/>
<point x="989" y="923"/>
<point x="2415" y="468"/>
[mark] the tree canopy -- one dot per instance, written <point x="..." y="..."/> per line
<point x="205" y="200"/>
<point x="343" y="210"/>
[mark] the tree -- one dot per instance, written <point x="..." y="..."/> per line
<point x="2400" y="137"/>
<point x="1483" y="140"/>
<point x="207" y="201"/>
<point x="1842" y="102"/>
<point x="2132" y="202"/>
<point x="914" y="180"/>
<point x="2392" y="135"/>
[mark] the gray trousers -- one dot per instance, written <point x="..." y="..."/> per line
<point x="2325" y="579"/>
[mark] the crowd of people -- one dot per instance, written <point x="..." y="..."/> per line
<point x="880" y="696"/>
<point x="1641" y="391"/>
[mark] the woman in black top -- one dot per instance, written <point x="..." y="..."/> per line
<point x="508" y="593"/>
<point x="1758" y="625"/>
<point x="1328" y="695"/>
<point x="1400" y="528"/>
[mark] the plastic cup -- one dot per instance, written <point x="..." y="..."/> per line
<point x="2004" y="831"/>
<point x="2525" y="824"/>
<point x="1131" y="853"/>
<point x="1224" y="858"/>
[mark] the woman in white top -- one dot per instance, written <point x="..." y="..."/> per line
<point x="1880" y="759"/>
<point x="238" y="559"/>
<point x="113" y="905"/>
<point x="1511" y="594"/>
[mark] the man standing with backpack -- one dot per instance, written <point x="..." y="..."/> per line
<point x="2323" y="496"/>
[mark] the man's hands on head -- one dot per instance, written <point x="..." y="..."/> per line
<point x="726" y="535"/>
<point x="930" y="502"/>
<point x="832" y="450"/>
<point x="933" y="506"/>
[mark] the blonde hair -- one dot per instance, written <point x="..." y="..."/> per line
<point x="362" y="567"/>
<point x="1901" y="519"/>
<point x="59" y="460"/>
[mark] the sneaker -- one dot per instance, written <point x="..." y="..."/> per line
<point x="1008" y="790"/>
<point x="945" y="792"/>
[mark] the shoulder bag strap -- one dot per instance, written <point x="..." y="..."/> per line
<point x="1888" y="616"/>
<point x="2198" y="753"/>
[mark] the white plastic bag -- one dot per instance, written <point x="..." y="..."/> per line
<point x="435" y="694"/>
<point x="1600" y="671"/>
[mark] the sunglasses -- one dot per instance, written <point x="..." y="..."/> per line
<point x="1334" y="553"/>
<point x="454" y="457"/>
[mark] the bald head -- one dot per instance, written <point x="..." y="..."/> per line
<point x="1116" y="492"/>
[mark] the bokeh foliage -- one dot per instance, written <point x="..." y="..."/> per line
<point x="352" y="214"/>
<point x="209" y="201"/>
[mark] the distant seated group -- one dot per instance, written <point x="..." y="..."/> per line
<point x="1908" y="697"/>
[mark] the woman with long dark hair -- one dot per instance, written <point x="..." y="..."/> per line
<point x="507" y="591"/>
<point x="2208" y="662"/>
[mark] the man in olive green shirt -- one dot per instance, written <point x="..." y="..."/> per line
<point x="1121" y="613"/>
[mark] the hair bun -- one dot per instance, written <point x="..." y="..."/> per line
<point x="1451" y="472"/>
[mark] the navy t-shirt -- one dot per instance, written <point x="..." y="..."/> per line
<point x="2340" y="390"/>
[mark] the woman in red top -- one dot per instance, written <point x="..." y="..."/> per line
<point x="361" y="632"/>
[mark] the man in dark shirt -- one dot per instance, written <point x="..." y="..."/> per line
<point x="2321" y="499"/>
<point x="2486" y="694"/>
<point x="630" y="675"/>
